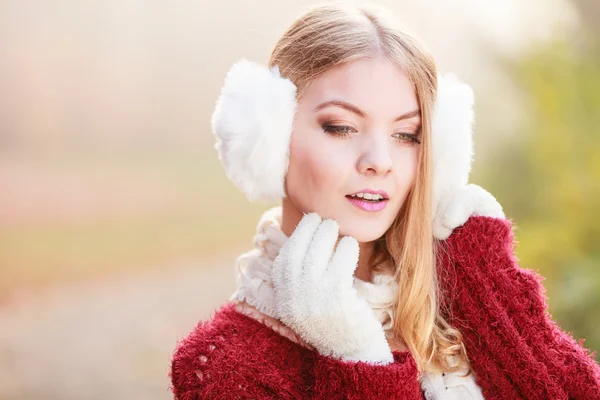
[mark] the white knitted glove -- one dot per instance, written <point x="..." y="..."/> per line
<point x="314" y="295"/>
<point x="456" y="208"/>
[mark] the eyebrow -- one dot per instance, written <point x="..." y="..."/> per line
<point x="352" y="108"/>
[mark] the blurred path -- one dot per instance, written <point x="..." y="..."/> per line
<point x="105" y="340"/>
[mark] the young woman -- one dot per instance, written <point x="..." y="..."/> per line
<point x="383" y="274"/>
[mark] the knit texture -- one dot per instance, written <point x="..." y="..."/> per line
<point x="232" y="356"/>
<point x="256" y="293"/>
<point x="516" y="350"/>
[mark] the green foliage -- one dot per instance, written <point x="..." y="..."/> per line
<point x="548" y="180"/>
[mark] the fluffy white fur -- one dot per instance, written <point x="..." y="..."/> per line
<point x="451" y="140"/>
<point x="452" y="146"/>
<point x="252" y="122"/>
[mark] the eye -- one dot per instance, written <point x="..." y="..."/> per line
<point x="344" y="131"/>
<point x="338" y="130"/>
<point x="410" y="138"/>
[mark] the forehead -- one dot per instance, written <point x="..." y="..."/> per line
<point x="377" y="86"/>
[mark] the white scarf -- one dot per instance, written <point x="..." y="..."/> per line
<point x="255" y="288"/>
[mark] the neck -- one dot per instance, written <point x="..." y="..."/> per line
<point x="291" y="216"/>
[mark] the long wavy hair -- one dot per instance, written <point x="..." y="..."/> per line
<point x="336" y="33"/>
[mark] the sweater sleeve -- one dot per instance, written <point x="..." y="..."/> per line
<point x="203" y="368"/>
<point x="516" y="350"/>
<point x="338" y="379"/>
<point x="231" y="356"/>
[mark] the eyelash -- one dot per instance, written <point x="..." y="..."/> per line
<point x="334" y="130"/>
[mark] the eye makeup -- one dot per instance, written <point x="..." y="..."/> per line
<point x="345" y="131"/>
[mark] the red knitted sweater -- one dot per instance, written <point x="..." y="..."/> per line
<point x="516" y="350"/>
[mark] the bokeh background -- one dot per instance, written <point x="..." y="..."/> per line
<point x="119" y="229"/>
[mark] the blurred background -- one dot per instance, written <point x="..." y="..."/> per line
<point x="119" y="229"/>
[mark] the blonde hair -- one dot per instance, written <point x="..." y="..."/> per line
<point x="336" y="33"/>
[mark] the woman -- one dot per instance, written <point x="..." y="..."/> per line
<point x="422" y="296"/>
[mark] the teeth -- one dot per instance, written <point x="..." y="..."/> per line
<point x="368" y="196"/>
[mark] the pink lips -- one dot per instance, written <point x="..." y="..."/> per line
<point x="367" y="205"/>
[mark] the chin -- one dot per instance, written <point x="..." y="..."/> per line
<point x="363" y="232"/>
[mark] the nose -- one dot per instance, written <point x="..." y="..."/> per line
<point x="375" y="157"/>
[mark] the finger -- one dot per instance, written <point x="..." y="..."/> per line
<point x="320" y="250"/>
<point x="295" y="248"/>
<point x="344" y="261"/>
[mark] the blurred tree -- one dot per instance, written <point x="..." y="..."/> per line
<point x="548" y="176"/>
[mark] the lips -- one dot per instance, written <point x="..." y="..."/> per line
<point x="367" y="205"/>
<point x="370" y="200"/>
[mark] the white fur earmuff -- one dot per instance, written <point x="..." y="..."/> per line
<point x="253" y="121"/>
<point x="454" y="200"/>
<point x="451" y="137"/>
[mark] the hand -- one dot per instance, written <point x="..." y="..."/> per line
<point x="455" y="209"/>
<point x="315" y="297"/>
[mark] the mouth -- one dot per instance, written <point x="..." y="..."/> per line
<point x="369" y="200"/>
<point x="370" y="195"/>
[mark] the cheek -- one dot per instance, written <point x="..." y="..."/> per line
<point x="405" y="171"/>
<point x="308" y="165"/>
<point x="412" y="163"/>
<point x="316" y="170"/>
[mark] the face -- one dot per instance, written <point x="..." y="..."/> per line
<point x="356" y="133"/>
